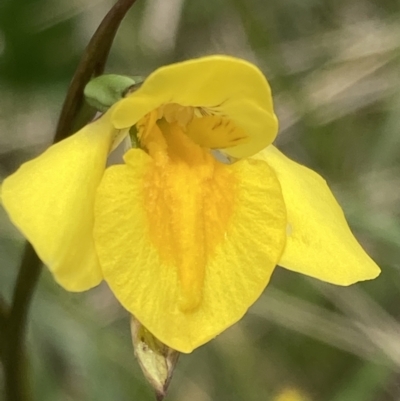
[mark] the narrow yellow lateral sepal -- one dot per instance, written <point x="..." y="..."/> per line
<point x="320" y="242"/>
<point x="50" y="199"/>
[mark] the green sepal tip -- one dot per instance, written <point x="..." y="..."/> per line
<point x="105" y="90"/>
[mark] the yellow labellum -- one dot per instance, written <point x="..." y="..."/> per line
<point x="188" y="222"/>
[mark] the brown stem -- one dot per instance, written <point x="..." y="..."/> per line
<point x="16" y="383"/>
<point x="91" y="64"/>
<point x="3" y="326"/>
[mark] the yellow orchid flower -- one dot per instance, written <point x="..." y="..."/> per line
<point x="291" y="395"/>
<point x="186" y="243"/>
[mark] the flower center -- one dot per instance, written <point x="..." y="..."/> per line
<point x="205" y="127"/>
<point x="189" y="197"/>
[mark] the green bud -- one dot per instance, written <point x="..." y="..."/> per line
<point x="156" y="360"/>
<point x="103" y="91"/>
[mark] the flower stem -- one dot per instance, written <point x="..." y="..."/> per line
<point x="16" y="383"/>
<point x="3" y="325"/>
<point x="74" y="114"/>
<point x="91" y="65"/>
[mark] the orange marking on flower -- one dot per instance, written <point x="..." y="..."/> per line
<point x="215" y="132"/>
<point x="189" y="200"/>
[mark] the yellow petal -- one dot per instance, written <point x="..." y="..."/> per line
<point x="215" y="132"/>
<point x="51" y="199"/>
<point x="157" y="237"/>
<point x="320" y="243"/>
<point x="225" y="85"/>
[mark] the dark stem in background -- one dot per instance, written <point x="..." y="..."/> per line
<point x="3" y="326"/>
<point x="16" y="381"/>
<point x="92" y="64"/>
<point x="12" y="349"/>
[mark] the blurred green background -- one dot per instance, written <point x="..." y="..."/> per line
<point x="334" y="69"/>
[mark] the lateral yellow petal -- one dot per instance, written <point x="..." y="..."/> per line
<point x="320" y="243"/>
<point x="144" y="274"/>
<point x="227" y="86"/>
<point x="50" y="199"/>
